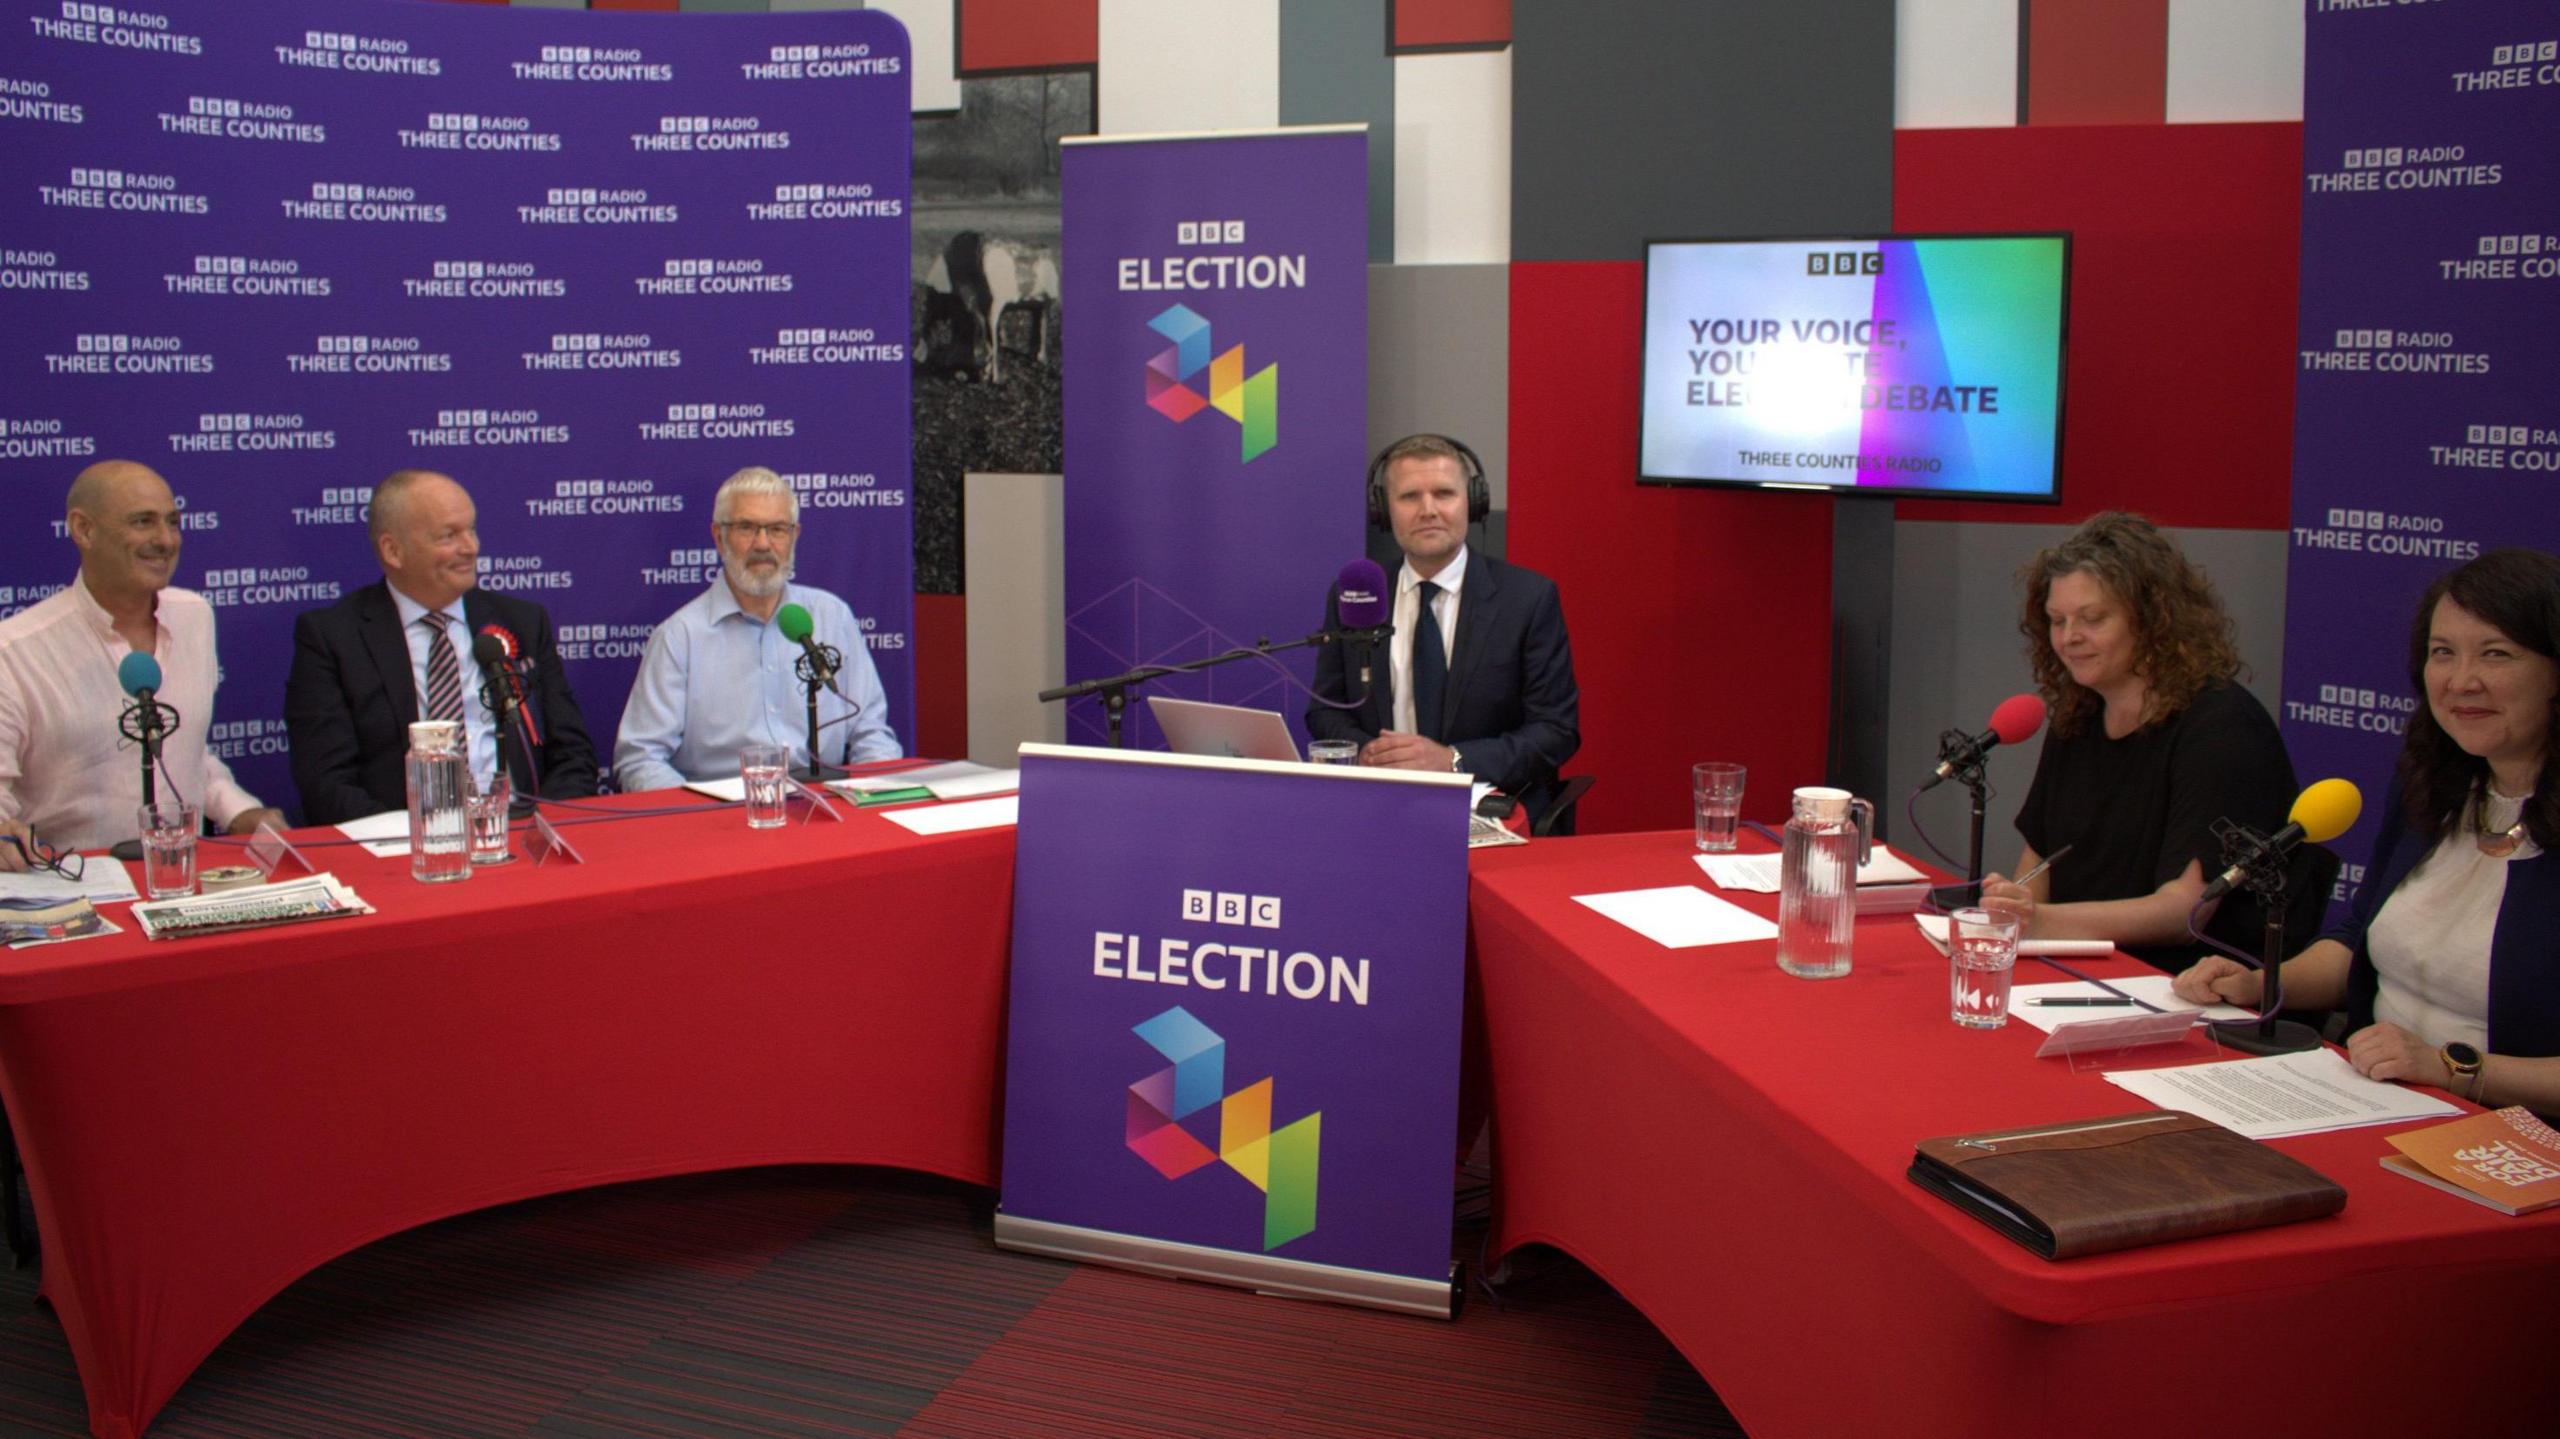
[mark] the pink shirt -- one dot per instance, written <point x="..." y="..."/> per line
<point x="64" y="770"/>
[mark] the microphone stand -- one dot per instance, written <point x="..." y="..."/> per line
<point x="1957" y="746"/>
<point x="507" y="704"/>
<point x="142" y="723"/>
<point x="2266" y="879"/>
<point x="813" y="680"/>
<point x="1114" y="689"/>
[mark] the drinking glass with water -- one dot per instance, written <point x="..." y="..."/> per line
<point x="764" y="767"/>
<point x="1715" y="788"/>
<point x="1982" y="957"/>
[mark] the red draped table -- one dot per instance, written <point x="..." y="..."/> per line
<point x="205" y="1120"/>
<point x="1726" y="1145"/>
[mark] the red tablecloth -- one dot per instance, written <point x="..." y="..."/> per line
<point x="204" y="1120"/>
<point x="1727" y="1145"/>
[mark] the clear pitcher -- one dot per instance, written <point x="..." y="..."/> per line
<point x="1829" y="837"/>
<point x="439" y="825"/>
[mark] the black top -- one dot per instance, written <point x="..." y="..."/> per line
<point x="2136" y="810"/>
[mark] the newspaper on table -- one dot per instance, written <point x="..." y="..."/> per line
<point x="294" y="901"/>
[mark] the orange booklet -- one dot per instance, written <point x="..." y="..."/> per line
<point x="2506" y="1159"/>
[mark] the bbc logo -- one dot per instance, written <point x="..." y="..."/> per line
<point x="214" y="424"/>
<point x="1261" y="911"/>
<point x="2347" y="695"/>
<point x="571" y="197"/>
<point x="460" y="419"/>
<point x="461" y="269"/>
<point x="688" y="267"/>
<point x="101" y="344"/>
<point x="2364" y="340"/>
<point x="84" y="179"/>
<point x="2355" y="519"/>
<point x="2511" y="244"/>
<point x="691" y="412"/>
<point x="221" y="109"/>
<point x="1844" y="262"/>
<point x="1208" y="232"/>
<point x="2376" y="159"/>
<point x="2526" y="53"/>
<point x="324" y="40"/>
<point x="787" y="194"/>
<point x="2495" y="434"/>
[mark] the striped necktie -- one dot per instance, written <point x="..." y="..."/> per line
<point x="444" y="670"/>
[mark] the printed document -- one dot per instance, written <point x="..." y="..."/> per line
<point x="2280" y="1095"/>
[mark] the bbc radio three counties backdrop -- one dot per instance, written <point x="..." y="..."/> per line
<point x="588" y="264"/>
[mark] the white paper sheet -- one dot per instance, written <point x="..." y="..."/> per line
<point x="927" y="776"/>
<point x="953" y="818"/>
<point x="385" y="835"/>
<point x="102" y="881"/>
<point x="733" y="789"/>
<point x="1935" y="927"/>
<point x="2281" y="1094"/>
<point x="1758" y="873"/>
<point x="2151" y="989"/>
<point x="1680" y="916"/>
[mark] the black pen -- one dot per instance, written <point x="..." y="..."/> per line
<point x="2079" y="1003"/>
<point x="2041" y="866"/>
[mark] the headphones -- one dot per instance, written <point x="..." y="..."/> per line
<point x="1479" y="494"/>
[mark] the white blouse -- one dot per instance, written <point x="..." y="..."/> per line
<point x="2430" y="943"/>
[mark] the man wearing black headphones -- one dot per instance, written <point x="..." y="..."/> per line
<point x="1485" y="687"/>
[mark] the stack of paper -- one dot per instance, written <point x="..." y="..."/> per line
<point x="2280" y="1095"/>
<point x="1758" y="873"/>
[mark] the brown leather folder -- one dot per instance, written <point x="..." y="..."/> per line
<point x="2092" y="1185"/>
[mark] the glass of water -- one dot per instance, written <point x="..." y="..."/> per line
<point x="764" y="767"/>
<point x="1333" y="751"/>
<point x="1716" y="790"/>
<point x="168" y="848"/>
<point x="1982" y="955"/>
<point x="488" y="810"/>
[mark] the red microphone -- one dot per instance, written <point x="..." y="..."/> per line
<point x="2015" y="719"/>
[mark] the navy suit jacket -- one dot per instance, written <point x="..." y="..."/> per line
<point x="1510" y="709"/>
<point x="349" y="701"/>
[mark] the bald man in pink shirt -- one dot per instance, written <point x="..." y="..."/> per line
<point x="67" y="778"/>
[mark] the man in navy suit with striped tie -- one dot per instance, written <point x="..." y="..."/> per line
<point x="400" y="650"/>
<point x="1479" y="677"/>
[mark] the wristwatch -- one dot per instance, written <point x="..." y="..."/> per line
<point x="2463" y="1063"/>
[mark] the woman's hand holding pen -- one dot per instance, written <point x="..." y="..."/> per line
<point x="2018" y="896"/>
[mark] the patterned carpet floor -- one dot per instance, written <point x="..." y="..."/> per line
<point x="813" y="1302"/>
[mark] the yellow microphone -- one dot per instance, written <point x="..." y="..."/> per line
<point x="2321" y="813"/>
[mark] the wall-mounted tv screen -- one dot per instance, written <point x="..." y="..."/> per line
<point x="1925" y="365"/>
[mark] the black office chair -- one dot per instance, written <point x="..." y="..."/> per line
<point x="1558" y="817"/>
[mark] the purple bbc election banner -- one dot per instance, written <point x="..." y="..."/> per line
<point x="2426" y="419"/>
<point x="1233" y="1044"/>
<point x="588" y="264"/>
<point x="1216" y="404"/>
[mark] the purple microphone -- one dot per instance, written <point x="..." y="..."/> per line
<point x="1364" y="603"/>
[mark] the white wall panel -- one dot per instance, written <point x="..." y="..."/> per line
<point x="1453" y="158"/>
<point x="1955" y="63"/>
<point x="1179" y="65"/>
<point x="2235" y="60"/>
<point x="1015" y="554"/>
<point x="933" y="48"/>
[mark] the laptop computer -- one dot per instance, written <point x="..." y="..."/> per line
<point x="1232" y="731"/>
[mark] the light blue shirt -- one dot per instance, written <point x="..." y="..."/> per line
<point x="716" y="678"/>
<point x="479" y="730"/>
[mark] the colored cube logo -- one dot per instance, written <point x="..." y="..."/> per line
<point x="1253" y="403"/>
<point x="1281" y="1163"/>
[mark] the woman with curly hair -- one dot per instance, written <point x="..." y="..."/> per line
<point x="2151" y="741"/>
<point x="2449" y="964"/>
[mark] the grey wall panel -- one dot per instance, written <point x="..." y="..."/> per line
<point x="1016" y="569"/>
<point x="1677" y="117"/>
<point x="1334" y="69"/>
<point x="1440" y="360"/>
<point x="1957" y="651"/>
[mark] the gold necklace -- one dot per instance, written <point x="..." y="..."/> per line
<point x="2497" y="843"/>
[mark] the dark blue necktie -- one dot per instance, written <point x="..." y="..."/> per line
<point x="1430" y="660"/>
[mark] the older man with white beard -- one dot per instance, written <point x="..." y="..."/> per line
<point x="718" y="673"/>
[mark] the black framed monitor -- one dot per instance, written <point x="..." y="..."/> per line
<point x="1920" y="365"/>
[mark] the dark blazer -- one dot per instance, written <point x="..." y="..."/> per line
<point x="348" y="703"/>
<point x="1511" y="709"/>
<point x="2524" y="944"/>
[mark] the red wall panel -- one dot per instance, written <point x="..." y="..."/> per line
<point x="1701" y="619"/>
<point x="1451" y="24"/>
<point x="2097" y="62"/>
<point x="1003" y="35"/>
<point x="2186" y="242"/>
<point x="942" y="676"/>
